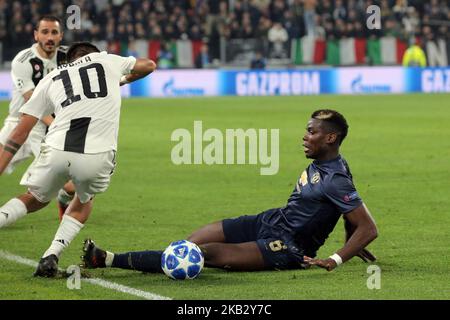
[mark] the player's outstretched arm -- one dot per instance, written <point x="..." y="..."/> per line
<point x="364" y="233"/>
<point x="142" y="68"/>
<point x="16" y="139"/>
<point x="365" y="255"/>
<point x="46" y="120"/>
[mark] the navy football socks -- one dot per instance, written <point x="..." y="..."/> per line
<point x="146" y="261"/>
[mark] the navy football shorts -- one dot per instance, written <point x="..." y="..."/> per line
<point x="249" y="228"/>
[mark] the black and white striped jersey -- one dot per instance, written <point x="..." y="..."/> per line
<point x="85" y="97"/>
<point x="27" y="69"/>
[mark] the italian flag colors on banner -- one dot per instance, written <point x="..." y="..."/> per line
<point x="386" y="50"/>
<point x="308" y="50"/>
<point x="348" y="51"/>
<point x="184" y="51"/>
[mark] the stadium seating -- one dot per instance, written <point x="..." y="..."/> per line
<point x="330" y="32"/>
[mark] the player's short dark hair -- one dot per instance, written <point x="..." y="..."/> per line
<point x="49" y="18"/>
<point x="334" y="122"/>
<point x="79" y="49"/>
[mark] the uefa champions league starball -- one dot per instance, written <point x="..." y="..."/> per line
<point x="182" y="260"/>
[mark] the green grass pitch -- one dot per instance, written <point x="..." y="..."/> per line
<point x="398" y="149"/>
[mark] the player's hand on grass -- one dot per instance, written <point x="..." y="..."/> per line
<point x="328" y="264"/>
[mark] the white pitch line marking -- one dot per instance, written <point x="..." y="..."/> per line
<point x="95" y="281"/>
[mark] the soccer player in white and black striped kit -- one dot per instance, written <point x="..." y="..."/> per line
<point x="29" y="67"/>
<point x="81" y="142"/>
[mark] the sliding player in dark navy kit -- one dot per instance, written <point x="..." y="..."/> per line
<point x="282" y="238"/>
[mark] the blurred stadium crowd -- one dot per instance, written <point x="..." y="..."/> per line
<point x="214" y="22"/>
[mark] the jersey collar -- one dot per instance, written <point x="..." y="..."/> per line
<point x="36" y="52"/>
<point x="317" y="162"/>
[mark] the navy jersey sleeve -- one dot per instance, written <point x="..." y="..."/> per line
<point x="341" y="191"/>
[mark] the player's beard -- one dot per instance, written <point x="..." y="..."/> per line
<point x="48" y="49"/>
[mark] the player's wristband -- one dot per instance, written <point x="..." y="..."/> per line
<point x="337" y="258"/>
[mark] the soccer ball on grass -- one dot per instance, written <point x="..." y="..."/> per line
<point x="182" y="260"/>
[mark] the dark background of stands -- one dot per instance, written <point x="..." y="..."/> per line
<point x="213" y="20"/>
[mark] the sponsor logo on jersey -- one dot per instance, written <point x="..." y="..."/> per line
<point x="302" y="181"/>
<point x="315" y="178"/>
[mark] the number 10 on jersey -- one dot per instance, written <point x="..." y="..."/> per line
<point x="87" y="90"/>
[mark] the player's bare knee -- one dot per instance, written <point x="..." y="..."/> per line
<point x="69" y="187"/>
<point x="195" y="238"/>
<point x="32" y="203"/>
<point x="200" y="236"/>
<point x="206" y="234"/>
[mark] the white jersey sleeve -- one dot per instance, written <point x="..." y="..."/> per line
<point x="27" y="69"/>
<point x="21" y="73"/>
<point x="39" y="104"/>
<point x="126" y="64"/>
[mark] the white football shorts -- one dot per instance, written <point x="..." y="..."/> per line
<point x="90" y="173"/>
<point x="30" y="148"/>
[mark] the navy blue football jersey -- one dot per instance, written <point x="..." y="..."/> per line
<point x="324" y="191"/>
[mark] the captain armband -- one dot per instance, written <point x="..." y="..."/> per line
<point x="12" y="147"/>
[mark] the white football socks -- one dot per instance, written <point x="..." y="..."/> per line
<point x="67" y="231"/>
<point x="109" y="259"/>
<point x="12" y="211"/>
